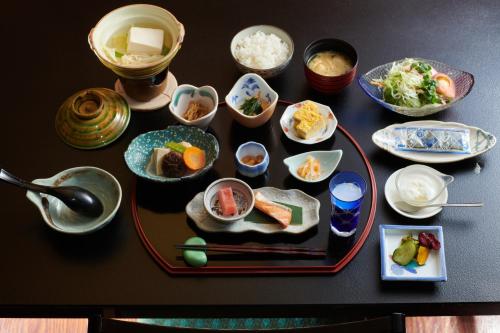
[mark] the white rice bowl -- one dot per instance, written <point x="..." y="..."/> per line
<point x="261" y="51"/>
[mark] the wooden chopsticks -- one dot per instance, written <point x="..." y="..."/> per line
<point x="298" y="251"/>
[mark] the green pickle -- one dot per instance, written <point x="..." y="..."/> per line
<point x="405" y="252"/>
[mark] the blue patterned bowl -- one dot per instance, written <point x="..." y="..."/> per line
<point x="463" y="82"/>
<point x="251" y="148"/>
<point x="247" y="86"/>
<point x="139" y="151"/>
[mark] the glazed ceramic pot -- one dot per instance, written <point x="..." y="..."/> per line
<point x="119" y="21"/>
<point x="251" y="85"/>
<point x="330" y="84"/>
<point x="92" y="118"/>
<point x="185" y="94"/>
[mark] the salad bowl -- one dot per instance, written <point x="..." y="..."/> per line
<point x="464" y="82"/>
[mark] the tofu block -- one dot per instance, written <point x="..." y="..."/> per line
<point x="145" y="41"/>
<point x="157" y="158"/>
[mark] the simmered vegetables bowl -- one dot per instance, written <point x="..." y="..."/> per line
<point x="416" y="87"/>
<point x="172" y="154"/>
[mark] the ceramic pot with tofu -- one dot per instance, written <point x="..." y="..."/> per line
<point x="138" y="43"/>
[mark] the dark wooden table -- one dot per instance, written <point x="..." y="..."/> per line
<point x="45" y="58"/>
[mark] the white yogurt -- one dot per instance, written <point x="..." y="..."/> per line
<point x="419" y="186"/>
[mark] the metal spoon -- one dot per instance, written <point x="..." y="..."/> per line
<point x="406" y="207"/>
<point x="76" y="198"/>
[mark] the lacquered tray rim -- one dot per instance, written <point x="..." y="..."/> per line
<point x="242" y="270"/>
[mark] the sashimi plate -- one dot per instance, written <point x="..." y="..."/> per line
<point x="195" y="209"/>
<point x="480" y="142"/>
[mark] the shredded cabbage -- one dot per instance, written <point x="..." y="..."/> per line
<point x="409" y="83"/>
<point x="129" y="59"/>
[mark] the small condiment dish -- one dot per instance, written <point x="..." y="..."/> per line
<point x="330" y="84"/>
<point x="434" y="268"/>
<point x="267" y="29"/>
<point x="61" y="218"/>
<point x="186" y="94"/>
<point x="409" y="175"/>
<point x="254" y="149"/>
<point x="288" y="124"/>
<point x="243" y="196"/>
<point x="328" y="161"/>
<point x="248" y="86"/>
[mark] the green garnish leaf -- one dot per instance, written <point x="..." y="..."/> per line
<point x="165" y="50"/>
<point x="251" y="107"/>
<point x="175" y="146"/>
<point x="118" y="54"/>
<point x="421" y="67"/>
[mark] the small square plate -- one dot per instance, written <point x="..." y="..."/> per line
<point x="390" y="239"/>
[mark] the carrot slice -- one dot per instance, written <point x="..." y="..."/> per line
<point x="194" y="158"/>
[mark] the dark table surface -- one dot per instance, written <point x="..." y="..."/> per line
<point x="45" y="58"/>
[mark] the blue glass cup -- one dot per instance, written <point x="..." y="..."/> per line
<point x="347" y="190"/>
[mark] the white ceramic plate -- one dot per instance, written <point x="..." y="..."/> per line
<point x="392" y="196"/>
<point x="310" y="214"/>
<point x="287" y="124"/>
<point x="480" y="142"/>
<point x="328" y="161"/>
<point x="390" y="239"/>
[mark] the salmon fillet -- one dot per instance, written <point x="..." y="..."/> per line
<point x="281" y="213"/>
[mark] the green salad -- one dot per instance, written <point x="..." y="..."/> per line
<point x="413" y="83"/>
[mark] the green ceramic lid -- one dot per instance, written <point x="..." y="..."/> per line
<point x="92" y="118"/>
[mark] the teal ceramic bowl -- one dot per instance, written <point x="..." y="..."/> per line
<point x="61" y="218"/>
<point x="139" y="151"/>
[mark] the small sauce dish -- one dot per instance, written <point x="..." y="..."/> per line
<point x="251" y="149"/>
<point x="243" y="197"/>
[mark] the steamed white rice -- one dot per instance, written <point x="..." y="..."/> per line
<point x="261" y="51"/>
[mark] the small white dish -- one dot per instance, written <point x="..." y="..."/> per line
<point x="156" y="103"/>
<point x="390" y="239"/>
<point x="195" y="209"/>
<point x="243" y="195"/>
<point x="480" y="142"/>
<point x="287" y="124"/>
<point x="392" y="196"/>
<point x="328" y="161"/>
<point x="185" y="94"/>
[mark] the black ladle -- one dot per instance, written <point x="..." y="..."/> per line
<point x="76" y="198"/>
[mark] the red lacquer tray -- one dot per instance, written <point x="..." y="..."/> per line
<point x="161" y="222"/>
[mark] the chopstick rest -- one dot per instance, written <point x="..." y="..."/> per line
<point x="194" y="257"/>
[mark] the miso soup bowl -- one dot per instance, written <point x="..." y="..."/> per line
<point x="330" y="84"/>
